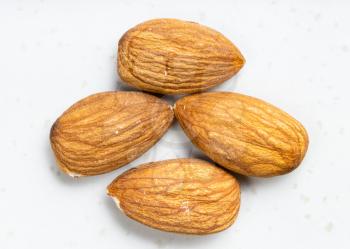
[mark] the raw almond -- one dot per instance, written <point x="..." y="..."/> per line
<point x="171" y="56"/>
<point x="242" y="133"/>
<point x="180" y="195"/>
<point x="108" y="130"/>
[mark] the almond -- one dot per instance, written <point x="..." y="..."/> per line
<point x="181" y="195"/>
<point x="108" y="130"/>
<point x="242" y="133"/>
<point x="171" y="56"/>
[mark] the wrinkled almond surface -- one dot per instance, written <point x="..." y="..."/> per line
<point x="171" y="56"/>
<point x="108" y="130"/>
<point x="180" y="195"/>
<point x="242" y="133"/>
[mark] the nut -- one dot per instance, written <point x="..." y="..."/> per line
<point x="108" y="130"/>
<point x="171" y="56"/>
<point x="242" y="133"/>
<point x="181" y="195"/>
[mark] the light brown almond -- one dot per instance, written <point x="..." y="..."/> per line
<point x="242" y="133"/>
<point x="181" y="195"/>
<point x="108" y="130"/>
<point x="171" y="56"/>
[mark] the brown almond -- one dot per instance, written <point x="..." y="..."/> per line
<point x="171" y="56"/>
<point x="242" y="133"/>
<point x="108" y="130"/>
<point x="181" y="195"/>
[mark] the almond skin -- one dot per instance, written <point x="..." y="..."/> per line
<point x="171" y="56"/>
<point x="242" y="133"/>
<point x="108" y="130"/>
<point x="181" y="195"/>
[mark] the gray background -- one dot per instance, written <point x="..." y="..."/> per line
<point x="53" y="53"/>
